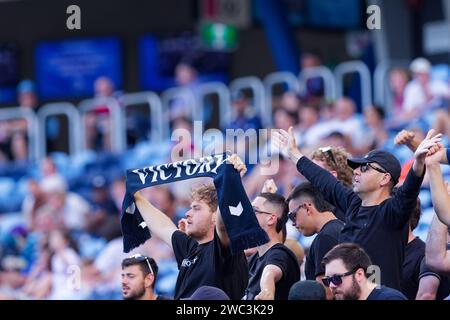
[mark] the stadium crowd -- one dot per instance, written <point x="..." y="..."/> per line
<point x="347" y="196"/>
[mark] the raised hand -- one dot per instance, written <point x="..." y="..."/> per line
<point x="429" y="146"/>
<point x="404" y="137"/>
<point x="286" y="142"/>
<point x="269" y="186"/>
<point x="238" y="164"/>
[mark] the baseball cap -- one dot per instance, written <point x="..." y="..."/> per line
<point x="208" y="293"/>
<point x="420" y="65"/>
<point x="385" y="159"/>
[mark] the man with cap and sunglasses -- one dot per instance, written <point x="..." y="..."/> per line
<point x="347" y="272"/>
<point x="374" y="218"/>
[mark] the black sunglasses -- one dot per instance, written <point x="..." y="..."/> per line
<point x="259" y="211"/>
<point x="292" y="215"/>
<point x="337" y="278"/>
<point x="140" y="258"/>
<point x="329" y="153"/>
<point x="365" y="166"/>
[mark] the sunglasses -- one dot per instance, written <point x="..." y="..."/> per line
<point x="292" y="215"/>
<point x="336" y="279"/>
<point x="140" y="258"/>
<point x="262" y="212"/>
<point x="365" y="166"/>
<point x="329" y="153"/>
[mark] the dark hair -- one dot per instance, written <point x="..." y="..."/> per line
<point x="380" y="111"/>
<point x="280" y="202"/>
<point x="133" y="261"/>
<point x="415" y="215"/>
<point x="306" y="189"/>
<point x="352" y="255"/>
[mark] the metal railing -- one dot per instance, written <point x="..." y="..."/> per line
<point x="185" y="94"/>
<point x="273" y="79"/>
<point x="222" y="92"/>
<point x="365" y="79"/>
<point x="257" y="88"/>
<point x="319" y="72"/>
<point x="117" y="123"/>
<point x="74" y="127"/>
<point x="159" y="121"/>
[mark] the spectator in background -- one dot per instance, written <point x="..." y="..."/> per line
<point x="33" y="200"/>
<point x="97" y="121"/>
<point x="244" y="116"/>
<point x="64" y="262"/>
<point x="139" y="274"/>
<point x="68" y="209"/>
<point x="375" y="129"/>
<point x="26" y="95"/>
<point x="398" y="80"/>
<point x="347" y="274"/>
<point x="103" y="221"/>
<point x="414" y="253"/>
<point x="314" y="86"/>
<point x="422" y="94"/>
<point x="334" y="160"/>
<point x="312" y="215"/>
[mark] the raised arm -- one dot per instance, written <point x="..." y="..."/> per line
<point x="436" y="253"/>
<point x="270" y="276"/>
<point x="220" y="226"/>
<point x="439" y="194"/>
<point x="333" y="191"/>
<point x="409" y="139"/>
<point x="158" y="223"/>
<point x="428" y="147"/>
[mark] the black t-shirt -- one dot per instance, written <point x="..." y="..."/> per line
<point x="208" y="264"/>
<point x="385" y="293"/>
<point x="280" y="256"/>
<point x="381" y="230"/>
<point x="414" y="253"/>
<point x="444" y="284"/>
<point x="325" y="240"/>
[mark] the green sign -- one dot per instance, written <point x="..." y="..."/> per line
<point x="219" y="36"/>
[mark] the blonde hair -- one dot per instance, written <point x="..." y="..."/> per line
<point x="206" y="193"/>
<point x="344" y="172"/>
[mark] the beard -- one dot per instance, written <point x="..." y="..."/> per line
<point x="352" y="294"/>
<point x="135" y="294"/>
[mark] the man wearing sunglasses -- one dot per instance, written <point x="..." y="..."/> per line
<point x="374" y="218"/>
<point x="273" y="268"/>
<point x="138" y="278"/>
<point x="346" y="274"/>
<point x="312" y="215"/>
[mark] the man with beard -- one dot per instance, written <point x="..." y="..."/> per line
<point x="138" y="278"/>
<point x="347" y="275"/>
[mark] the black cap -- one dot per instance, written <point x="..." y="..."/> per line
<point x="208" y="293"/>
<point x="386" y="160"/>
<point x="307" y="290"/>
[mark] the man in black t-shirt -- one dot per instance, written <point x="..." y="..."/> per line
<point x="373" y="216"/>
<point x="273" y="268"/>
<point x="414" y="253"/>
<point x="347" y="272"/>
<point x="312" y="215"/>
<point x="138" y="278"/>
<point x="203" y="251"/>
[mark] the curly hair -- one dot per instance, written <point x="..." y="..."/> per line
<point x="206" y="193"/>
<point x="344" y="172"/>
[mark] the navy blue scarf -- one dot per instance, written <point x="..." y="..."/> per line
<point x="237" y="213"/>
